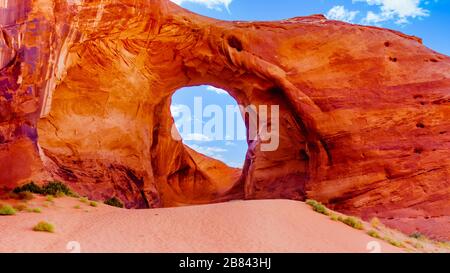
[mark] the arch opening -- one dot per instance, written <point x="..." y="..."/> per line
<point x="208" y="120"/>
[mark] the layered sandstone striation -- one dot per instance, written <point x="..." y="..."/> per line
<point x="86" y="86"/>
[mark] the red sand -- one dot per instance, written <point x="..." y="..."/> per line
<point x="250" y="226"/>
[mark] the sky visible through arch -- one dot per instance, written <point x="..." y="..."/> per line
<point x="427" y="19"/>
<point x="231" y="152"/>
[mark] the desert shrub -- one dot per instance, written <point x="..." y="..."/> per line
<point x="393" y="242"/>
<point x="318" y="207"/>
<point x="29" y="187"/>
<point x="416" y="245"/>
<point x="334" y="217"/>
<point x="444" y="244"/>
<point x="50" y="198"/>
<point x="35" y="210"/>
<point x="93" y="204"/>
<point x="375" y="222"/>
<point x="56" y="188"/>
<point x="77" y="207"/>
<point x="44" y="227"/>
<point x="84" y="200"/>
<point x="7" y="210"/>
<point x="353" y="222"/>
<point x="374" y="234"/>
<point x="60" y="194"/>
<point x="115" y="202"/>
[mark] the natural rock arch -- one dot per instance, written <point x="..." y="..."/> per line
<point x="123" y="139"/>
<point x="97" y="79"/>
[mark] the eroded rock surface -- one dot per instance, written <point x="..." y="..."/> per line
<point x="86" y="86"/>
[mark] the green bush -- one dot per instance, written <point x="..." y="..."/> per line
<point x="444" y="244"/>
<point x="35" y="210"/>
<point x="114" y="202"/>
<point x="374" y="234"/>
<point x="375" y="222"/>
<point x="318" y="207"/>
<point x="334" y="217"/>
<point x="44" y="227"/>
<point x="60" y="194"/>
<point x="353" y="222"/>
<point x="7" y="210"/>
<point x="29" y="187"/>
<point x="84" y="200"/>
<point x="393" y="242"/>
<point x="93" y="204"/>
<point x="57" y="188"/>
<point x="54" y="188"/>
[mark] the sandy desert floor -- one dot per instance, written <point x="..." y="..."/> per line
<point x="242" y="226"/>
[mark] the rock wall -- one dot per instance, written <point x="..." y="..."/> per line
<point x="86" y="86"/>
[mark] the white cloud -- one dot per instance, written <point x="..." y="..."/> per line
<point x="215" y="152"/>
<point x="217" y="90"/>
<point x="398" y="10"/>
<point x="211" y="4"/>
<point x="341" y="14"/>
<point x="373" y="18"/>
<point x="196" y="137"/>
<point x="176" y="109"/>
<point x="234" y="164"/>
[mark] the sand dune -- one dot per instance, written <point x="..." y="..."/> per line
<point x="250" y="226"/>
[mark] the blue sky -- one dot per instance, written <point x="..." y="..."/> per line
<point x="427" y="19"/>
<point x="232" y="151"/>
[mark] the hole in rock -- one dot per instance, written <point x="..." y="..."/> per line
<point x="304" y="155"/>
<point x="235" y="43"/>
<point x="420" y="125"/>
<point x="209" y="121"/>
<point x="393" y="59"/>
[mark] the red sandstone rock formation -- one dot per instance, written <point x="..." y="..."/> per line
<point x="85" y="90"/>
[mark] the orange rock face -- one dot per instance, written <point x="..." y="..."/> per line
<point x="86" y="86"/>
